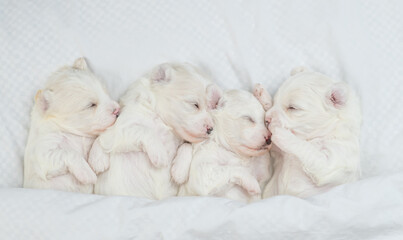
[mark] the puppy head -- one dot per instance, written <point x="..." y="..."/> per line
<point x="309" y="104"/>
<point x="75" y="100"/>
<point x="240" y="124"/>
<point x="183" y="98"/>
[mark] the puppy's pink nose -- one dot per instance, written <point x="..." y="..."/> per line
<point x="116" y="112"/>
<point x="209" y="129"/>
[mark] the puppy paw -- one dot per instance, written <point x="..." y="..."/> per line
<point x="177" y="175"/>
<point x="248" y="183"/>
<point x="158" y="157"/>
<point x="98" y="159"/>
<point x="275" y="124"/>
<point x="99" y="163"/>
<point x="253" y="188"/>
<point x="83" y="173"/>
<point x="86" y="177"/>
<point x="181" y="165"/>
<point x="281" y="137"/>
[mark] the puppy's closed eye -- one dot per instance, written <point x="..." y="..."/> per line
<point x="249" y="118"/>
<point x="92" y="105"/>
<point x="192" y="105"/>
<point x="292" y="108"/>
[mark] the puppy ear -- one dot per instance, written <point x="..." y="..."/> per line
<point x="338" y="95"/>
<point x="297" y="70"/>
<point x="80" y="64"/>
<point x="42" y="100"/>
<point x="214" y="94"/>
<point x="162" y="73"/>
<point x="263" y="96"/>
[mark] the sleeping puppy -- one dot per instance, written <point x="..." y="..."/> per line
<point x="68" y="114"/>
<point x="160" y="111"/>
<point x="234" y="161"/>
<point x="315" y="124"/>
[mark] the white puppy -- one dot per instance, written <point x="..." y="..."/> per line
<point x="234" y="162"/>
<point x="315" y="124"/>
<point x="68" y="114"/>
<point x="159" y="111"/>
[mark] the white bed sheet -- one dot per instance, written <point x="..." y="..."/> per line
<point x="368" y="209"/>
<point x="239" y="43"/>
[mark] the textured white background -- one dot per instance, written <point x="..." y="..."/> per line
<point x="238" y="43"/>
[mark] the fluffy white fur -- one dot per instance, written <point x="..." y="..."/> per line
<point x="315" y="124"/>
<point x="234" y="161"/>
<point x="68" y="114"/>
<point x="160" y="111"/>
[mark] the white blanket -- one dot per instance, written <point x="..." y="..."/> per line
<point x="370" y="209"/>
<point x="238" y="43"/>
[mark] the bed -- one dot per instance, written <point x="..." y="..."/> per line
<point x="238" y="43"/>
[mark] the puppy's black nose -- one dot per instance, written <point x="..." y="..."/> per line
<point x="209" y="129"/>
<point x="268" y="141"/>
